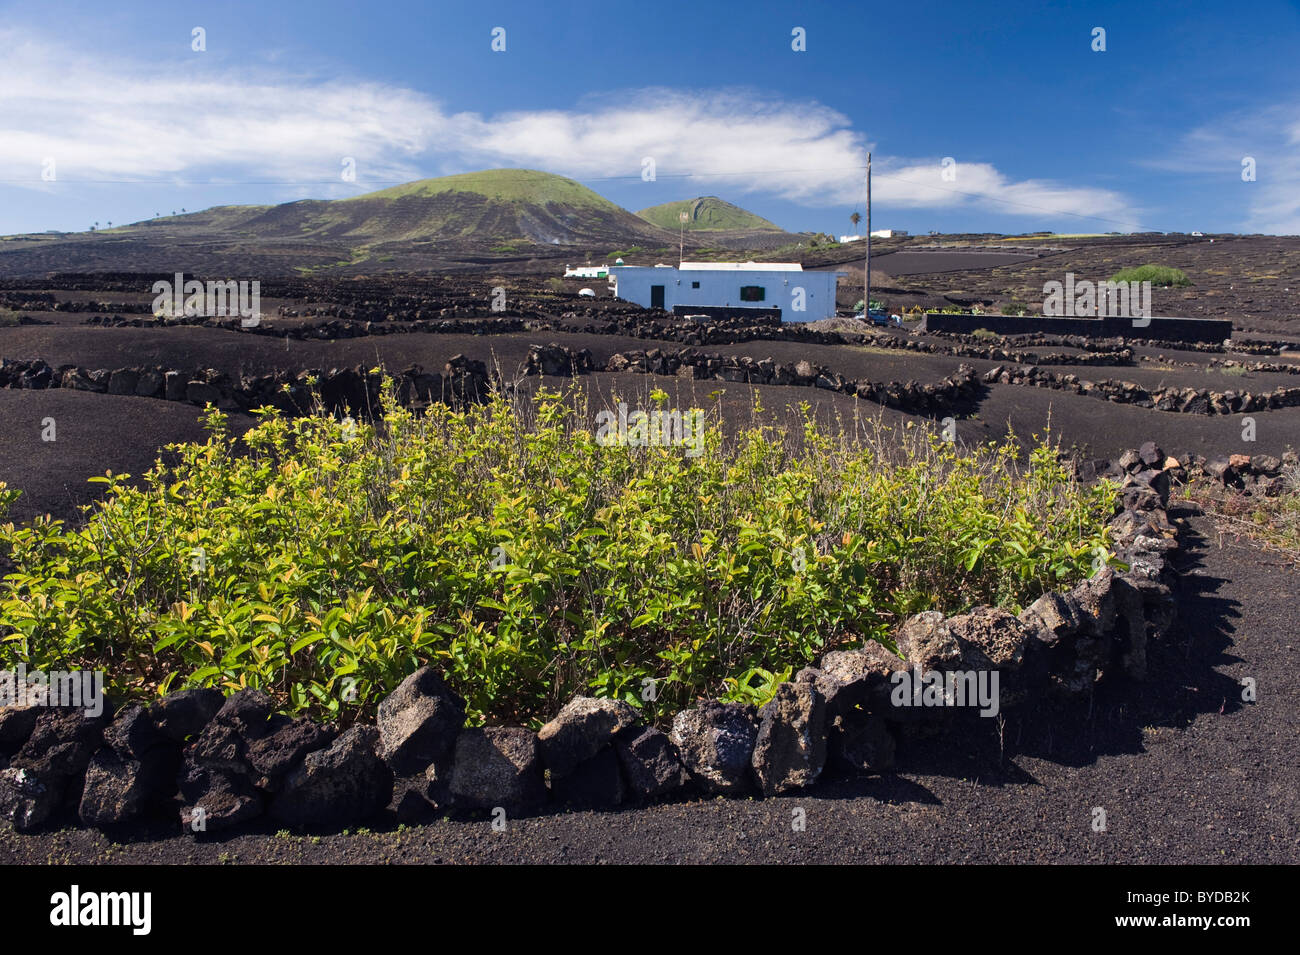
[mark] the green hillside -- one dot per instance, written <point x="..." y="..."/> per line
<point x="500" y="185"/>
<point x="466" y="219"/>
<point x="516" y="205"/>
<point x="706" y="214"/>
<point x="490" y="206"/>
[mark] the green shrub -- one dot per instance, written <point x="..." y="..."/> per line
<point x="984" y="335"/>
<point x="7" y="497"/>
<point x="1160" y="276"/>
<point x="507" y="547"/>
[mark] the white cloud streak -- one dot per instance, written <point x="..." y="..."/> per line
<point x="105" y="120"/>
<point x="1271" y="137"/>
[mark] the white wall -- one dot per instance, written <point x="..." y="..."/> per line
<point x="722" y="288"/>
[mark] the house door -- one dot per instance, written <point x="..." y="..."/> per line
<point x="656" y="296"/>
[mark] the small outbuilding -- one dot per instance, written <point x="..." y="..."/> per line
<point x="587" y="272"/>
<point x="725" y="288"/>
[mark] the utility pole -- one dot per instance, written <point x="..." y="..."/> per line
<point x="681" y="238"/>
<point x="866" y="272"/>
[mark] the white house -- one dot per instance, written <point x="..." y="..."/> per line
<point x="801" y="296"/>
<point x="587" y="272"/>
<point x="875" y="234"/>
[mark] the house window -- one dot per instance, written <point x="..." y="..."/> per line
<point x="695" y="285"/>
<point x="752" y="293"/>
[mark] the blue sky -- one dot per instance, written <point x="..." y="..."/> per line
<point x="1044" y="132"/>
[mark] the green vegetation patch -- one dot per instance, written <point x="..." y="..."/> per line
<point x="705" y="214"/>
<point x="324" y="560"/>
<point x="501" y="185"/>
<point x="1160" y="276"/>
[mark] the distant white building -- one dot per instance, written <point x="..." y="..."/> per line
<point x="801" y="296"/>
<point x="875" y="234"/>
<point x="587" y="272"/>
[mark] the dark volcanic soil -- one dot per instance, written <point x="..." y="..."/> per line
<point x="93" y="434"/>
<point x="99" y="432"/>
<point x="1253" y="280"/>
<point x="1184" y="771"/>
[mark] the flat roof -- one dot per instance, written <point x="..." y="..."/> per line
<point x="741" y="267"/>
<point x="727" y="267"/>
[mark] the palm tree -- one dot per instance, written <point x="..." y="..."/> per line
<point x="855" y="219"/>
<point x="96" y="226"/>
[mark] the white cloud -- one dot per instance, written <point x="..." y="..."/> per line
<point x="981" y="184"/>
<point x="736" y="141"/>
<point x="733" y="139"/>
<point x="1271" y="137"/>
<point x="104" y="120"/>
